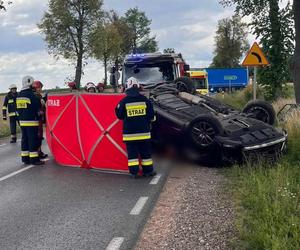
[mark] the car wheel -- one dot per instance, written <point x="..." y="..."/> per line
<point x="203" y="130"/>
<point x="261" y="110"/>
<point x="185" y="84"/>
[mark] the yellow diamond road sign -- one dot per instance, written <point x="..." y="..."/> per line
<point x="255" y="57"/>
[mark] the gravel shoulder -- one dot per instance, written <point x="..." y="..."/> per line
<point x="193" y="212"/>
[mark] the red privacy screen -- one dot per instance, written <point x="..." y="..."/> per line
<point x="83" y="131"/>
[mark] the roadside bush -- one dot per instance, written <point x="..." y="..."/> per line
<point x="238" y="99"/>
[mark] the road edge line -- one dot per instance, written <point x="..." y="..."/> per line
<point x="115" y="243"/>
<point x="137" y="209"/>
<point x="155" y="179"/>
<point x="15" y="173"/>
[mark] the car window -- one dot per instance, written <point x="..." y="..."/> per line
<point x="150" y="73"/>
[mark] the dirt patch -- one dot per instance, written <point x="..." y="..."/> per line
<point x="193" y="212"/>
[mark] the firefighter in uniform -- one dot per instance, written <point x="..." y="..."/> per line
<point x="137" y="113"/>
<point x="28" y="107"/>
<point x="37" y="88"/>
<point x="9" y="108"/>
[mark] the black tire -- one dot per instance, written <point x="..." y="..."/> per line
<point x="203" y="130"/>
<point x="261" y="110"/>
<point x="185" y="84"/>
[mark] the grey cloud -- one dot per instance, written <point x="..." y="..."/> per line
<point x="188" y="26"/>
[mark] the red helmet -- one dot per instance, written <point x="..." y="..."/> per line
<point x="37" y="85"/>
<point x="100" y="86"/>
<point x="72" y="85"/>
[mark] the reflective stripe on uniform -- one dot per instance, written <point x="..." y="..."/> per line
<point x="33" y="154"/>
<point x="136" y="105"/>
<point x="147" y="162"/>
<point x="154" y="119"/>
<point x="4" y="108"/>
<point x="136" y="137"/>
<point x="12" y="114"/>
<point x="11" y="101"/>
<point x="133" y="162"/>
<point x="29" y="123"/>
<point x="25" y="153"/>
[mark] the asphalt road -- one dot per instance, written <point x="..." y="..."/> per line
<point x="54" y="207"/>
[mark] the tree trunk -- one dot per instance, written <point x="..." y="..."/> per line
<point x="105" y="70"/>
<point x="297" y="51"/>
<point x="276" y="51"/>
<point x="78" y="71"/>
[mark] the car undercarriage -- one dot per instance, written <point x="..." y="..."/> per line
<point x="208" y="127"/>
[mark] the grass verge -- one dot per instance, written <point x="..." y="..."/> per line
<point x="267" y="198"/>
<point x="4" y="127"/>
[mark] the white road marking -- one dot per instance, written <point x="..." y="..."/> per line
<point x="1" y="145"/>
<point x="115" y="243"/>
<point x="15" y="173"/>
<point x="155" y="179"/>
<point x="139" y="206"/>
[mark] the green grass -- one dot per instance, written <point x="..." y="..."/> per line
<point x="267" y="198"/>
<point x="239" y="99"/>
<point x="267" y="206"/>
<point x="4" y="127"/>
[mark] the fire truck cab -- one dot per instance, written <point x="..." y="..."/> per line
<point x="153" y="68"/>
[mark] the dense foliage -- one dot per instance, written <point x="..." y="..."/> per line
<point x="67" y="27"/>
<point x="230" y="43"/>
<point x="274" y="26"/>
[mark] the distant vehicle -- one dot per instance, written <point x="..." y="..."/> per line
<point x="200" y="79"/>
<point x="227" y="79"/>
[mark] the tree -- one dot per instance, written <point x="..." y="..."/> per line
<point x="230" y="42"/>
<point x="3" y="4"/>
<point x="169" y="50"/>
<point x="125" y="34"/>
<point x="296" y="7"/>
<point x="106" y="44"/>
<point x="274" y="27"/>
<point x="139" y="24"/>
<point x="67" y="27"/>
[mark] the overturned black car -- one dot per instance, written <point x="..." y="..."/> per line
<point x="200" y="126"/>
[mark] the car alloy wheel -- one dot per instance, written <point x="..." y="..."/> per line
<point x="203" y="133"/>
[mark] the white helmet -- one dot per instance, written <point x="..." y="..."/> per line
<point x="13" y="86"/>
<point x="27" y="82"/>
<point x="131" y="82"/>
<point x="90" y="85"/>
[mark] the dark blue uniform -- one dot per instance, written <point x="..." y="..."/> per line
<point x="9" y="109"/>
<point x="137" y="113"/>
<point x="28" y="107"/>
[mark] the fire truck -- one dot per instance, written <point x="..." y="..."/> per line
<point x="154" y="68"/>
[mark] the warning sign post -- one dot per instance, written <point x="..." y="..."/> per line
<point x="255" y="58"/>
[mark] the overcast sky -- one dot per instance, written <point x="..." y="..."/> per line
<point x="188" y="26"/>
